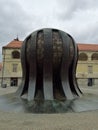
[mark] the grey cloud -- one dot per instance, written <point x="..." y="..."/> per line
<point x="67" y="9"/>
<point x="77" y="17"/>
<point x="12" y="18"/>
<point x="90" y="35"/>
<point x="13" y="21"/>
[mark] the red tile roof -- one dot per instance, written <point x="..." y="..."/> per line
<point x="82" y="47"/>
<point x="88" y="47"/>
<point x="14" y="44"/>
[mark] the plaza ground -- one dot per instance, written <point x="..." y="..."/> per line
<point x="67" y="121"/>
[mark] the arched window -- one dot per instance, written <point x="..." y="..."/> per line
<point x="94" y="56"/>
<point x="83" y="57"/>
<point x="16" y="54"/>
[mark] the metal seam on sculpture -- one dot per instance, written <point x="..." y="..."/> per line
<point x="72" y="87"/>
<point x="47" y="74"/>
<point x="39" y="62"/>
<point x="74" y="66"/>
<point x="71" y="73"/>
<point x="65" y="58"/>
<point x="32" y="70"/>
<point x="26" y="66"/>
<point x="23" y="58"/>
<point x="65" y="64"/>
<point x="75" y="87"/>
<point x="78" y="92"/>
<point x="57" y="56"/>
<point x="74" y="69"/>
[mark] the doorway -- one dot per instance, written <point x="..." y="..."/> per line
<point x="90" y="82"/>
<point x="14" y="82"/>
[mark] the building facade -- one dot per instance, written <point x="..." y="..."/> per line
<point x="11" y="71"/>
<point x="87" y="68"/>
<point x="11" y="66"/>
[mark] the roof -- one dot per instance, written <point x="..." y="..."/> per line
<point x="14" y="44"/>
<point x="82" y="46"/>
<point x="88" y="47"/>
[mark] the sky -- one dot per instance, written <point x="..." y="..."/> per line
<point x="79" y="18"/>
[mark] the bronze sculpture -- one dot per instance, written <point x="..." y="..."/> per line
<point x="49" y="59"/>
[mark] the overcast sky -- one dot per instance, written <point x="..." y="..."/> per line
<point x="21" y="17"/>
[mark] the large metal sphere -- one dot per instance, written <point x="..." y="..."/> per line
<point x="49" y="59"/>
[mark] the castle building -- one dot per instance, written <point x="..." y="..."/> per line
<point x="11" y="71"/>
<point x="11" y="66"/>
<point x="87" y="68"/>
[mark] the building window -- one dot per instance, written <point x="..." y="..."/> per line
<point x="94" y="56"/>
<point x="83" y="57"/>
<point x="14" y="68"/>
<point x="90" y="69"/>
<point x="14" y="82"/>
<point x="15" y="54"/>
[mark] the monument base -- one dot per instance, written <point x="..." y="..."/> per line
<point x="11" y="103"/>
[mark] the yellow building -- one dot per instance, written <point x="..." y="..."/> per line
<point x="11" y="72"/>
<point x="11" y="66"/>
<point x="87" y="68"/>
